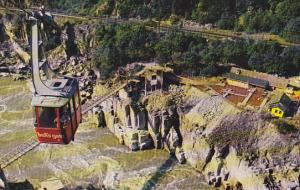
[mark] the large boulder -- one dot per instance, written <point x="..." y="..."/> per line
<point x="2" y="180"/>
<point x="197" y="151"/>
<point x="57" y="57"/>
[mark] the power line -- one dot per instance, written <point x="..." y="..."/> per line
<point x="19" y="7"/>
<point x="36" y="16"/>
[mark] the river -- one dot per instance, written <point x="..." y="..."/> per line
<point x="94" y="159"/>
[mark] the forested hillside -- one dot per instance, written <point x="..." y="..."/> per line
<point x="190" y="53"/>
<point x="118" y="45"/>
<point x="275" y="16"/>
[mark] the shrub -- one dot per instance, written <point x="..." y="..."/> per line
<point x="284" y="128"/>
<point x="209" y="71"/>
<point x="292" y="30"/>
<point x="225" y="23"/>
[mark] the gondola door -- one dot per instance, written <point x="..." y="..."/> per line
<point x="77" y="107"/>
<point x="73" y="116"/>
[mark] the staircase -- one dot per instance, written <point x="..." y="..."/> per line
<point x="18" y="152"/>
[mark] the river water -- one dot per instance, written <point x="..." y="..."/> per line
<point x="95" y="158"/>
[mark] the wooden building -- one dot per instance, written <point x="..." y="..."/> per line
<point x="279" y="105"/>
<point x="156" y="78"/>
<point x="293" y="88"/>
<point x="245" y="81"/>
<point x="274" y="81"/>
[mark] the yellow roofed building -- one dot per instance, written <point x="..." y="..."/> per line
<point x="279" y="105"/>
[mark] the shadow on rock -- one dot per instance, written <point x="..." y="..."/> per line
<point x="161" y="171"/>
<point x="26" y="185"/>
<point x="89" y="187"/>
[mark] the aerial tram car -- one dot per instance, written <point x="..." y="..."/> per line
<point x="56" y="100"/>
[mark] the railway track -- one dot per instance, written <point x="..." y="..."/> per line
<point x="161" y="29"/>
<point x="32" y="143"/>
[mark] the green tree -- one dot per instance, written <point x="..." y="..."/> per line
<point x="290" y="57"/>
<point x="212" y="54"/>
<point x="235" y="52"/>
<point x="134" y="41"/>
<point x="164" y="51"/>
<point x="225" y="23"/>
<point x="209" y="71"/>
<point x="265" y="57"/>
<point x="107" y="59"/>
<point x="287" y="10"/>
<point x="292" y="30"/>
<point x="264" y="48"/>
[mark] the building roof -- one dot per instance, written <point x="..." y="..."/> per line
<point x="48" y="101"/>
<point x="295" y="82"/>
<point x="280" y="100"/>
<point x="274" y="81"/>
<point x="280" y="97"/>
<point x="249" y="80"/>
<point x="66" y="85"/>
<point x="154" y="68"/>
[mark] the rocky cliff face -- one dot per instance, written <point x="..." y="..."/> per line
<point x="61" y="41"/>
<point x="67" y="48"/>
<point x="233" y="148"/>
<point x="128" y="122"/>
<point x="238" y="149"/>
<point x="2" y="180"/>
